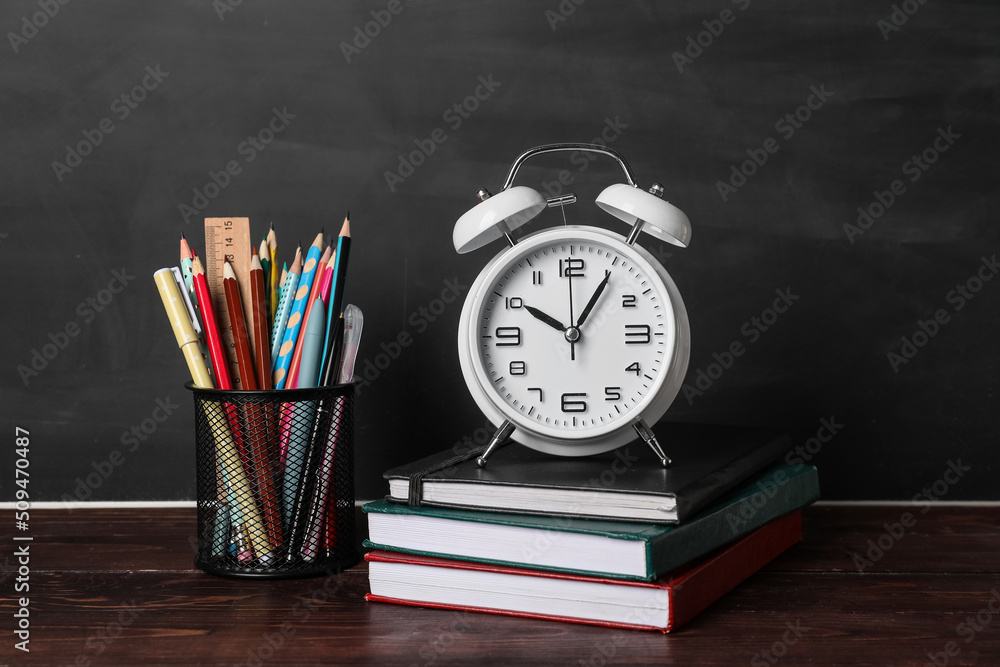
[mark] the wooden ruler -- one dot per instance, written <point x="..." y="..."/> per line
<point x="228" y="239"/>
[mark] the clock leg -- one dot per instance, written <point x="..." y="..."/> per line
<point x="498" y="439"/>
<point x="647" y="435"/>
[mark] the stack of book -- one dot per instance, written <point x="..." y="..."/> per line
<point x="612" y="540"/>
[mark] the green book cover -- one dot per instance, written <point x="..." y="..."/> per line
<point x="772" y="493"/>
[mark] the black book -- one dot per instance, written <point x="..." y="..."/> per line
<point x="627" y="484"/>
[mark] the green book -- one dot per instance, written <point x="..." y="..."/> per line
<point x="616" y="549"/>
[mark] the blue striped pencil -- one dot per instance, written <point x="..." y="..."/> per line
<point x="285" y="308"/>
<point x="291" y="335"/>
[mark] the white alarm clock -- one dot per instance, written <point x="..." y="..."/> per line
<point x="573" y="340"/>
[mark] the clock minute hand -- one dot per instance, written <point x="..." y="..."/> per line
<point x="551" y="321"/>
<point x="593" y="299"/>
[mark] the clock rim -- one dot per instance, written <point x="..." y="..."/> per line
<point x="569" y="444"/>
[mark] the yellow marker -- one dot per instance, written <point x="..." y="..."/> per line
<point x="234" y="470"/>
<point x="180" y="312"/>
<point x="183" y="321"/>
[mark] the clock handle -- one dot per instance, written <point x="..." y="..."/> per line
<point x="646" y="433"/>
<point x="499" y="438"/>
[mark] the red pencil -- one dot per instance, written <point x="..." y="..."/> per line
<point x="215" y="351"/>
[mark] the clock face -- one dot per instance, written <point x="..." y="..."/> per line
<point x="573" y="335"/>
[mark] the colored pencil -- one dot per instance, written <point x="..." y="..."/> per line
<point x="266" y="436"/>
<point x="328" y="374"/>
<point x="187" y="258"/>
<point x="244" y="360"/>
<point x="324" y="288"/>
<point x="295" y="319"/>
<point x="301" y="457"/>
<point x="272" y="283"/>
<point x="285" y="308"/>
<point x="317" y="283"/>
<point x="258" y="312"/>
<point x="215" y="351"/>
<point x="229" y="441"/>
<point x="264" y="257"/>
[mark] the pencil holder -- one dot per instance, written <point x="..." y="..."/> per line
<point x="275" y="481"/>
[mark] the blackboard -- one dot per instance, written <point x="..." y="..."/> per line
<point x="837" y="161"/>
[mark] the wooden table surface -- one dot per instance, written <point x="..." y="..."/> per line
<point x="117" y="587"/>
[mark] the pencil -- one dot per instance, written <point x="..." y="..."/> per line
<point x="317" y="283"/>
<point x="264" y="257"/>
<point x="215" y="350"/>
<point x="259" y="313"/>
<point x="228" y="441"/>
<point x="272" y="248"/>
<point x="265" y="437"/>
<point x="328" y="374"/>
<point x="285" y="308"/>
<point x="244" y="360"/>
<point x="301" y="463"/>
<point x="295" y="319"/>
<point x="324" y="288"/>
<point x="187" y="259"/>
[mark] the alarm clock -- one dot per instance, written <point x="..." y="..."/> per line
<point x="573" y="340"/>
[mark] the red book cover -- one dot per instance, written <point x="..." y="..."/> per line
<point x="689" y="589"/>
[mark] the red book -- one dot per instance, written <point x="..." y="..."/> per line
<point x="662" y="605"/>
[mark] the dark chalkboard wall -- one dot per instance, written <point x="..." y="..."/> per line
<point x="839" y="98"/>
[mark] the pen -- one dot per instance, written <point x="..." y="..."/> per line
<point x="183" y="321"/>
<point x="322" y="507"/>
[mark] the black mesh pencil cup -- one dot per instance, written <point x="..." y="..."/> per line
<point x="275" y="484"/>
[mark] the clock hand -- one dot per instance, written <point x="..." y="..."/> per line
<point x="593" y="299"/>
<point x="576" y="333"/>
<point x="551" y="321"/>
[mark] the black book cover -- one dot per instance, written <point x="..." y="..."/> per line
<point x="708" y="460"/>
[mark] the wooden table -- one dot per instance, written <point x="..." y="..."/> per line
<point x="117" y="587"/>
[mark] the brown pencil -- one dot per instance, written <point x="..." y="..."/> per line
<point x="259" y="314"/>
<point x="260" y="421"/>
<point x="244" y="360"/>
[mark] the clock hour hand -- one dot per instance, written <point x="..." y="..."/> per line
<point x="593" y="299"/>
<point x="551" y="321"/>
